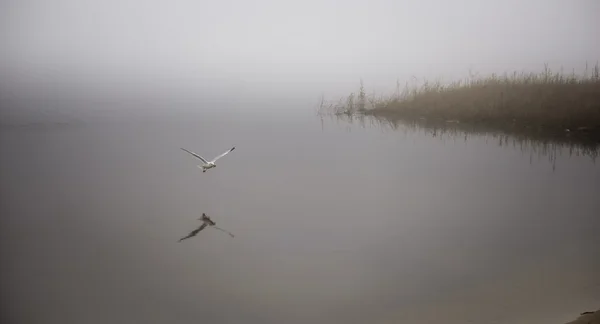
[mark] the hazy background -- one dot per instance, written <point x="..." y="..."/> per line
<point x="333" y="223"/>
<point x="276" y="49"/>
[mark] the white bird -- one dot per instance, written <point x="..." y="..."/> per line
<point x="208" y="164"/>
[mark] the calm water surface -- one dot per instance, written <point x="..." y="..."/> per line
<point x="334" y="223"/>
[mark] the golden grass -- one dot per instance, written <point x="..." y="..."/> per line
<point x="546" y="102"/>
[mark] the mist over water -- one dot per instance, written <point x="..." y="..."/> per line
<point x="335" y="221"/>
<point x="301" y="48"/>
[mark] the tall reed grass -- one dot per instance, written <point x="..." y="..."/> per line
<point x="548" y="101"/>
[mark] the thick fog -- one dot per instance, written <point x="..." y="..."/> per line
<point x="350" y="220"/>
<point x="269" y="47"/>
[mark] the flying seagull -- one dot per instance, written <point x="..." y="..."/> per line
<point x="206" y="221"/>
<point x="208" y="164"/>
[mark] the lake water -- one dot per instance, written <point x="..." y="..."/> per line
<point x="334" y="223"/>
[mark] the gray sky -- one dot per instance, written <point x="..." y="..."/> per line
<point x="313" y="45"/>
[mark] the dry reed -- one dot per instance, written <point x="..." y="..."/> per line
<point x="546" y="102"/>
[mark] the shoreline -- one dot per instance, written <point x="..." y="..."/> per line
<point x="588" y="137"/>
<point x="547" y="105"/>
<point x="592" y="317"/>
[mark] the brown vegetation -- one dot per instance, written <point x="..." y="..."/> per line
<point x="546" y="102"/>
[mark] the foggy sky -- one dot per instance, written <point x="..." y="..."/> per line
<point x="315" y="45"/>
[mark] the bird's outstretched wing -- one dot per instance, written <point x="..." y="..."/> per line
<point x="206" y="219"/>
<point x="222" y="155"/>
<point x="194" y="232"/>
<point x="220" y="229"/>
<point x="196" y="155"/>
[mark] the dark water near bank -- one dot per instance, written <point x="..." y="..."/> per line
<point x="334" y="223"/>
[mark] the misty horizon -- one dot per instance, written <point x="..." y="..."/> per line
<point x="473" y="203"/>
<point x="265" y="48"/>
